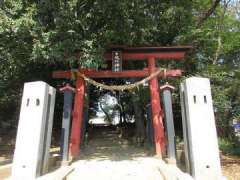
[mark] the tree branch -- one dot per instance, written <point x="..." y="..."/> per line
<point x="208" y="13"/>
<point x="105" y="112"/>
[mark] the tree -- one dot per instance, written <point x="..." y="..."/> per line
<point x="37" y="37"/>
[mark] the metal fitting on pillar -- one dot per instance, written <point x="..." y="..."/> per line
<point x="66" y="88"/>
<point x="167" y="103"/>
<point x="167" y="86"/>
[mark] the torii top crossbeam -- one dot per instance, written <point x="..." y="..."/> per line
<point x="134" y="53"/>
<point x="143" y="53"/>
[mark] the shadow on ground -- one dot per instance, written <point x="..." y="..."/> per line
<point x="105" y="144"/>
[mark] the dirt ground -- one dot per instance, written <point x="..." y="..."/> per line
<point x="107" y="156"/>
<point x="100" y="152"/>
<point x="231" y="167"/>
<point x="6" y="152"/>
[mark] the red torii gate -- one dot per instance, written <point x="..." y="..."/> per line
<point x="128" y="53"/>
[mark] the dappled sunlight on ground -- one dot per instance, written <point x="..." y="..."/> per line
<point x="106" y="156"/>
<point x="231" y="167"/>
<point x="106" y="145"/>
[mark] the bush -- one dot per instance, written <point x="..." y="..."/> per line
<point x="229" y="146"/>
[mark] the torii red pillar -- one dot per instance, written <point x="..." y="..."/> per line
<point x="77" y="118"/>
<point x="156" y="111"/>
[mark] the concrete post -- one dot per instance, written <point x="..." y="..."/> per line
<point x="33" y="141"/>
<point x="200" y="136"/>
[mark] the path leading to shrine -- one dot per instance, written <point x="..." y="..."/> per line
<point x="107" y="156"/>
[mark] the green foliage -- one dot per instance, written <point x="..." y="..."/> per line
<point x="37" y="37"/>
<point x="229" y="146"/>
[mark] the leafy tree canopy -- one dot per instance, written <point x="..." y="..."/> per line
<point x="37" y="37"/>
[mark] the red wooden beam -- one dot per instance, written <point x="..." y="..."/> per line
<point x="144" y="53"/>
<point x="122" y="74"/>
<point x="62" y="74"/>
<point x="156" y="111"/>
<point x="144" y="56"/>
<point x="77" y="118"/>
<point x="149" y="48"/>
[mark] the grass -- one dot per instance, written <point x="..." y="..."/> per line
<point x="229" y="146"/>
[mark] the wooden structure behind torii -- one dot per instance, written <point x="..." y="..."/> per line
<point x="151" y="54"/>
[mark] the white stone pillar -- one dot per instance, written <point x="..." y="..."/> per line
<point x="200" y="137"/>
<point x="34" y="131"/>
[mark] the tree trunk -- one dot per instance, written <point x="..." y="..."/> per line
<point x="123" y="113"/>
<point x="139" y="121"/>
<point x="138" y="113"/>
<point x="121" y="110"/>
<point x="208" y="13"/>
<point x="105" y="112"/>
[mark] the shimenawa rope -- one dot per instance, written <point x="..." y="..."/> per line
<point x="76" y="73"/>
